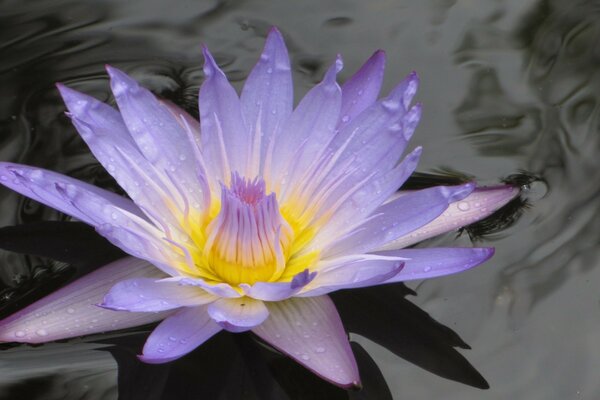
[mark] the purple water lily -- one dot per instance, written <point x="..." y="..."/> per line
<point x="248" y="218"/>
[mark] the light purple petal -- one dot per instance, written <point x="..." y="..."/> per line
<point x="362" y="89"/>
<point x="41" y="185"/>
<point x="267" y="97"/>
<point x="352" y="272"/>
<point x="217" y="289"/>
<point x="103" y="129"/>
<point x="397" y="218"/>
<point x="433" y="262"/>
<point x="277" y="291"/>
<point x="150" y="295"/>
<point x="238" y="315"/>
<point x="126" y="230"/>
<point x="481" y="203"/>
<point x="366" y="148"/>
<point x="148" y="120"/>
<point x="308" y="130"/>
<point x="362" y="202"/>
<point x="310" y="331"/>
<point x="225" y="137"/>
<point x="178" y="335"/>
<point x="72" y="311"/>
<point x="378" y="138"/>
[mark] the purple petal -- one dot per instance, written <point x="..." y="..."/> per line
<point x="369" y="146"/>
<point x="379" y="136"/>
<point x="310" y="331"/>
<point x="267" y="97"/>
<point x="481" y="203"/>
<point x="103" y="129"/>
<point x="178" y="335"/>
<point x="41" y="185"/>
<point x="150" y="295"/>
<point x="277" y="291"/>
<point x="72" y="311"/>
<point x="225" y="138"/>
<point x="365" y="200"/>
<point x="397" y="218"/>
<point x="352" y="272"/>
<point x="309" y="128"/>
<point x="433" y="262"/>
<point x="238" y="315"/>
<point x="362" y="89"/>
<point x="147" y="119"/>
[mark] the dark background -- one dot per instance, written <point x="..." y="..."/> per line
<point x="507" y="86"/>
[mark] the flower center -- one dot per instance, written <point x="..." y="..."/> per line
<point x="249" y="240"/>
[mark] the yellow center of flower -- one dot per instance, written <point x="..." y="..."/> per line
<point x="248" y="239"/>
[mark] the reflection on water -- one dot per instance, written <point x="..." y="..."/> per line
<point x="507" y="87"/>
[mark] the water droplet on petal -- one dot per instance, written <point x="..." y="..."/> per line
<point x="41" y="332"/>
<point x="19" y="334"/>
<point x="463" y="206"/>
<point x="172" y="338"/>
<point x="70" y="310"/>
<point x="305" y="357"/>
<point x="427" y="269"/>
<point x="320" y="350"/>
<point x="345" y="118"/>
<point x="269" y="70"/>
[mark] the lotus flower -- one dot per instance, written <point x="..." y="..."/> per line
<point x="247" y="219"/>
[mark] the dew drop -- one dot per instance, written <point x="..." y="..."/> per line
<point x="41" y="332"/>
<point x="463" y="206"/>
<point x="320" y="350"/>
<point x="269" y="70"/>
<point x="427" y="269"/>
<point x="305" y="357"/>
<point x="182" y="157"/>
<point x="345" y="118"/>
<point x="172" y="338"/>
<point x="114" y="216"/>
<point x="19" y="334"/>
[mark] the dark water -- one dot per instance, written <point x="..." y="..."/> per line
<point x="507" y="87"/>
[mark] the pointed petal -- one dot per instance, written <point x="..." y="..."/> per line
<point x="379" y="136"/>
<point x="310" y="331"/>
<point x="72" y="311"/>
<point x="238" y="315"/>
<point x="362" y="89"/>
<point x="397" y="218"/>
<point x="365" y="200"/>
<point x="178" y="335"/>
<point x="41" y="185"/>
<point x="150" y="295"/>
<point x="277" y="291"/>
<point x="433" y="262"/>
<point x="103" y="129"/>
<point x="481" y="203"/>
<point x="352" y="272"/>
<point x="267" y="97"/>
<point x="309" y="128"/>
<point x="148" y="121"/>
<point x="225" y="138"/>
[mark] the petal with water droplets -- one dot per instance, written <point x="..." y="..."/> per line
<point x="179" y="334"/>
<point x="72" y="311"/>
<point x="310" y="331"/>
